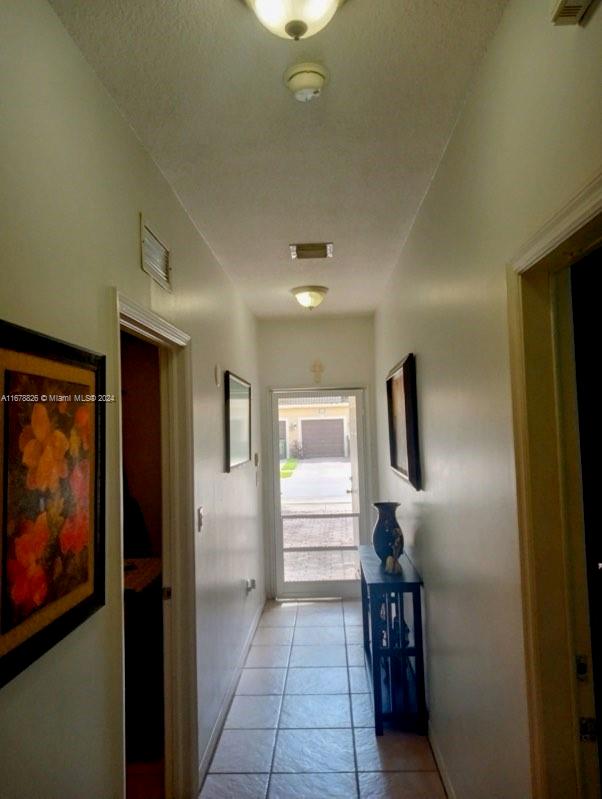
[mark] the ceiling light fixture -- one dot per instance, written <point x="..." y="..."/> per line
<point x="294" y="19"/>
<point x="310" y="296"/>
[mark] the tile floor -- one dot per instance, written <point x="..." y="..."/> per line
<point x="300" y="725"/>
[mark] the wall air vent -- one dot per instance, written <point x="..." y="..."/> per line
<point x="154" y="256"/>
<point x="319" y="250"/>
<point x="570" y="12"/>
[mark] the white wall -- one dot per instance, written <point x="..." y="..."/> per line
<point x="73" y="179"/>
<point x="529" y="137"/>
<point x="287" y="350"/>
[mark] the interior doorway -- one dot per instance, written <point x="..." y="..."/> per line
<point x="319" y="490"/>
<point x="143" y="547"/>
<point x="586" y="284"/>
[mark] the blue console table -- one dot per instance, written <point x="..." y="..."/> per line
<point x="392" y="619"/>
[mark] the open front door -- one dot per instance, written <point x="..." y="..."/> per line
<point x="319" y="491"/>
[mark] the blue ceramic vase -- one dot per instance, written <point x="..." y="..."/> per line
<point x="387" y="531"/>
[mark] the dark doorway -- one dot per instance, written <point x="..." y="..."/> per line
<point x="586" y="280"/>
<point x="142" y="558"/>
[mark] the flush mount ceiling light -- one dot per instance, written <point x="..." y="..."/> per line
<point x="310" y="296"/>
<point x="294" y="19"/>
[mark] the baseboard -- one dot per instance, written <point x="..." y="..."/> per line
<point x="227" y="700"/>
<point x="449" y="788"/>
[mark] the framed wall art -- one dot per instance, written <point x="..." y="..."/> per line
<point x="52" y="546"/>
<point x="402" y="406"/>
<point x="238" y="420"/>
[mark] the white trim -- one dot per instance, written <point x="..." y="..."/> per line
<point x="227" y="700"/>
<point x="574" y="215"/>
<point x="439" y="760"/>
<point x="181" y="742"/>
<point x="146" y="323"/>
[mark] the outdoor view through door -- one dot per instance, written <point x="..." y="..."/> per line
<point x="318" y="504"/>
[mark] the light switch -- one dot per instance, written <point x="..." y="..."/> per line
<point x="199" y="518"/>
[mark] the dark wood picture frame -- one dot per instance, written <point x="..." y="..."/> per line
<point x="402" y="410"/>
<point x="52" y="470"/>
<point x="238" y="420"/>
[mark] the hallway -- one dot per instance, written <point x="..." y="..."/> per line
<point x="300" y="724"/>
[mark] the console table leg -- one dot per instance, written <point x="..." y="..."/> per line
<point x="420" y="687"/>
<point x="375" y="603"/>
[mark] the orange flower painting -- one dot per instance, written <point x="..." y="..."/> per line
<point x="52" y="543"/>
<point x="47" y="533"/>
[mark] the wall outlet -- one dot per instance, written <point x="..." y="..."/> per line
<point x="251" y="584"/>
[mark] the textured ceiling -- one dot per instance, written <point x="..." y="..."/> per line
<point x="200" y="81"/>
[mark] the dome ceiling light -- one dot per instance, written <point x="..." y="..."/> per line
<point x="310" y="296"/>
<point x="294" y="19"/>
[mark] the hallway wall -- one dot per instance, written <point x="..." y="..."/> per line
<point x="528" y="139"/>
<point x="73" y="179"/>
<point x="288" y="348"/>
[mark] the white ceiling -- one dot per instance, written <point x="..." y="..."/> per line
<point x="200" y="81"/>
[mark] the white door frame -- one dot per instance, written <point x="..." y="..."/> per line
<point x="181" y="736"/>
<point x="343" y="588"/>
<point x="546" y="486"/>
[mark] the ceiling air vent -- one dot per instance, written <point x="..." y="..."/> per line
<point x="319" y="250"/>
<point x="155" y="259"/>
<point x="570" y="12"/>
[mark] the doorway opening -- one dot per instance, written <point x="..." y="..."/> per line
<point x="319" y="491"/>
<point x="143" y="548"/>
<point x="552" y="496"/>
<point x="586" y="284"/>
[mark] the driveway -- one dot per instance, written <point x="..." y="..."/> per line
<point x="318" y="480"/>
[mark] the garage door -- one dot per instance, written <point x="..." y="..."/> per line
<point x="323" y="438"/>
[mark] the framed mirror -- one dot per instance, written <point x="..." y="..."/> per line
<point x="238" y="420"/>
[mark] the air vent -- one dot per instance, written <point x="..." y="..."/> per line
<point x="154" y="256"/>
<point x="570" y="12"/>
<point x="316" y="250"/>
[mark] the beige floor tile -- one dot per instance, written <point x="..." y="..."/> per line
<point x="354" y="634"/>
<point x="409" y="785"/>
<point x="393" y="751"/>
<point x="261" y="682"/>
<point x="317" y="681"/>
<point x="266" y="636"/>
<point x="313" y="786"/>
<point x="313" y="751"/>
<point x="254" y="712"/>
<point x="274" y="656"/>
<point x="353" y="613"/>
<point x="241" y="786"/>
<point x="355" y="654"/>
<point x="325" y="655"/>
<point x="320" y="615"/>
<point x="279" y="616"/>
<point x="313" y="712"/>
<point x="361" y="706"/>
<point x="319" y="635"/>
<point x="244" y="751"/>
<point x="358" y="680"/>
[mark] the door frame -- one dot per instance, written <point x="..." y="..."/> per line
<point x="346" y="589"/>
<point x="537" y="299"/>
<point x="179" y="616"/>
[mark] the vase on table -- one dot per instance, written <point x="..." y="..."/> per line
<point x="387" y="537"/>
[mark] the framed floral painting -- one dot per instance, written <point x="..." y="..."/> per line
<point x="51" y="493"/>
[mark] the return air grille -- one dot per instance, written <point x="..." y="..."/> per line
<point x="155" y="257"/>
<point x="316" y="250"/>
<point x="570" y="12"/>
